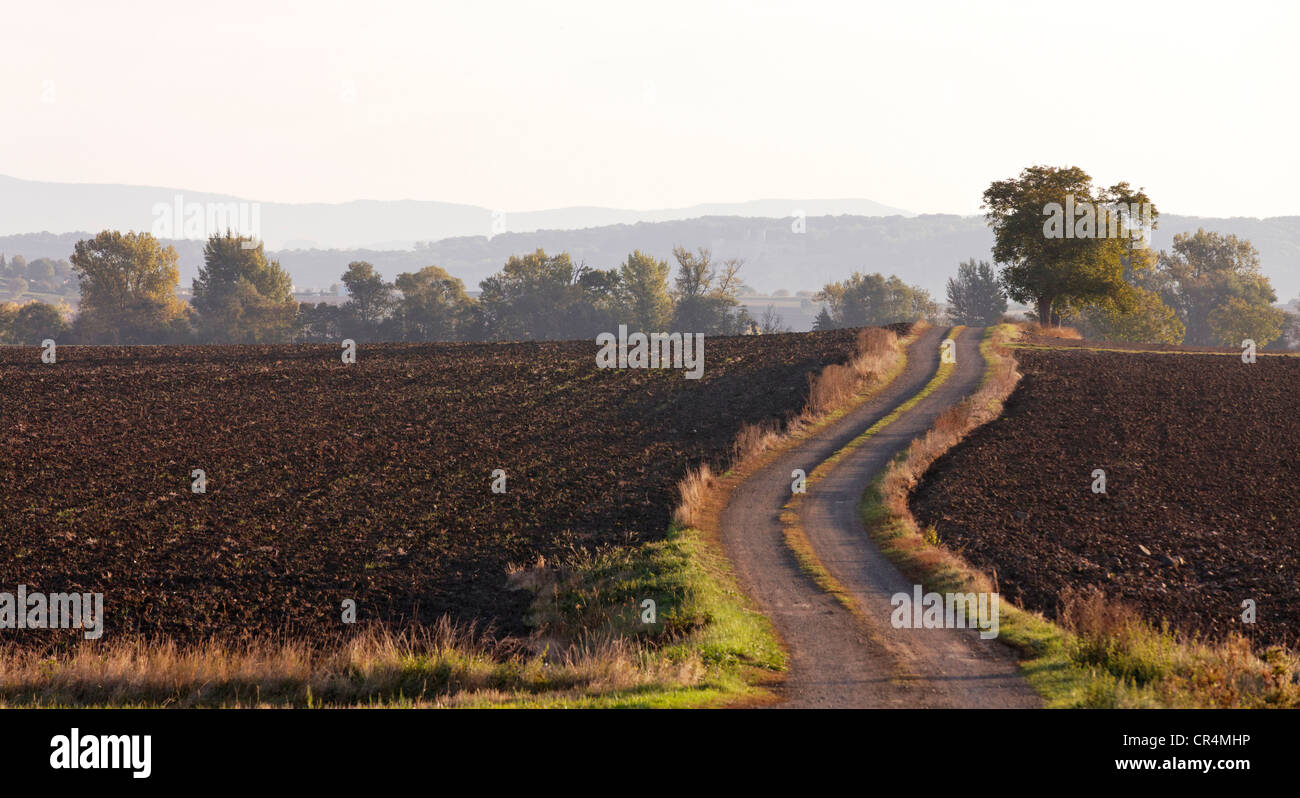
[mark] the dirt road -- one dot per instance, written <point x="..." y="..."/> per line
<point x="839" y="658"/>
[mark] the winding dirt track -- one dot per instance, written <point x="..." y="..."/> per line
<point x="837" y="658"/>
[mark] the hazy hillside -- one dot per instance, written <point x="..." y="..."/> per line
<point x="27" y="206"/>
<point x="923" y="249"/>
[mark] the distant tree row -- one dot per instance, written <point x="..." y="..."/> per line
<point x="128" y="296"/>
<point x="535" y="297"/>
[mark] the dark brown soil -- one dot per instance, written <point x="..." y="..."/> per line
<point x="369" y="482"/>
<point x="1202" y="459"/>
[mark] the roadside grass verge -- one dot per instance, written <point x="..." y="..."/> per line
<point x="596" y="644"/>
<point x="1060" y="332"/>
<point x="1099" y="653"/>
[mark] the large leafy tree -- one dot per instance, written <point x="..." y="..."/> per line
<point x="370" y="302"/>
<point x="128" y="290"/>
<point x="646" y="305"/>
<point x="594" y="303"/>
<point x="433" y="306"/>
<point x="539" y="296"/>
<point x="34" y="322"/>
<point x="1052" y="268"/>
<point x="974" y="295"/>
<point x="519" y="302"/>
<point x="1215" y="284"/>
<point x="870" y="300"/>
<point x="240" y="296"/>
<point x="1136" y="312"/>
<point x="1237" y="320"/>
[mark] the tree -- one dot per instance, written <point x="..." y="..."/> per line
<point x="1077" y="260"/>
<point x="646" y="305"/>
<point x="1204" y="272"/>
<point x="35" y="322"/>
<point x="1238" y="319"/>
<point x="520" y="301"/>
<point x="824" y="320"/>
<point x="871" y="300"/>
<point x="1290" y="332"/>
<point x="595" y="302"/>
<point x="1142" y="318"/>
<point x="974" y="295"/>
<point x="7" y="312"/>
<point x="41" y="271"/>
<point x="321" y="323"/>
<point x="240" y="296"/>
<point x="370" y="301"/>
<point x="705" y="295"/>
<point x="128" y="285"/>
<point x="771" y="321"/>
<point x="433" y="307"/>
<point x="544" y="297"/>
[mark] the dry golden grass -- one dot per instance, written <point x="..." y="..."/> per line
<point x="875" y="352"/>
<point x="693" y="490"/>
<point x="831" y="388"/>
<point x="753" y="440"/>
<point x="1063" y="333"/>
<point x="442" y="665"/>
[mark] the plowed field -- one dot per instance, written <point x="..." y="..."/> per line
<point x="370" y="481"/>
<point x="1202" y="462"/>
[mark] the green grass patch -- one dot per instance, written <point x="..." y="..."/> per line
<point x="699" y="609"/>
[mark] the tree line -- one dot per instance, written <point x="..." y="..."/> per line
<point x="128" y="296"/>
<point x="535" y="297"/>
<point x="1207" y="291"/>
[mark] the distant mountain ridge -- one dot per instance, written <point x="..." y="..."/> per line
<point x="28" y="206"/>
<point x="923" y="250"/>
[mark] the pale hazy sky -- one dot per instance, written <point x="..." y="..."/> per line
<point x="523" y="106"/>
